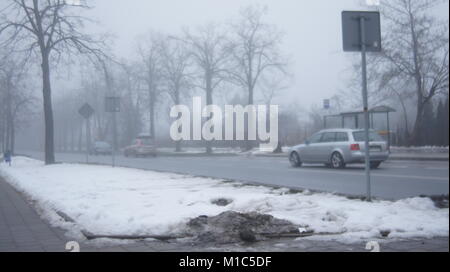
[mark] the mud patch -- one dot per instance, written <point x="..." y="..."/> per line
<point x="440" y="201"/>
<point x="221" y="201"/>
<point x="232" y="227"/>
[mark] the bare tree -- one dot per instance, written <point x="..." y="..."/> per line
<point x="15" y="97"/>
<point x="131" y="115"/>
<point x="210" y="51"/>
<point x="149" y="50"/>
<point x="416" y="49"/>
<point x="271" y="85"/>
<point x="255" y="51"/>
<point x="50" y="28"/>
<point x="175" y="73"/>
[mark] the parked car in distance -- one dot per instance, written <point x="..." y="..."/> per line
<point x="338" y="147"/>
<point x="101" y="148"/>
<point x="142" y="146"/>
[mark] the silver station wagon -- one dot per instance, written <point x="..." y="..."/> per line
<point x="338" y="147"/>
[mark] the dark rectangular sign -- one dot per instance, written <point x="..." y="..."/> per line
<point x="112" y="104"/>
<point x="351" y="30"/>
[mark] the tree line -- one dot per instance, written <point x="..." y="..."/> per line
<point x="167" y="68"/>
<point x="236" y="63"/>
<point x="411" y="72"/>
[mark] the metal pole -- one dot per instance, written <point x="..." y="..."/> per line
<point x="113" y="153"/>
<point x="389" y="133"/>
<point x="366" y="106"/>
<point x="87" y="139"/>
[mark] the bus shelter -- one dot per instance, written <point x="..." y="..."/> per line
<point x="378" y="121"/>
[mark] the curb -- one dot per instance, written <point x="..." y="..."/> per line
<point x="392" y="157"/>
<point x="418" y="158"/>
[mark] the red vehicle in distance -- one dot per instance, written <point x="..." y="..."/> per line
<point x="142" y="146"/>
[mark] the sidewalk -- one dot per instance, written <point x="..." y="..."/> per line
<point x="22" y="230"/>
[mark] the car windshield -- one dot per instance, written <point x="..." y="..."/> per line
<point x="146" y="141"/>
<point x="315" y="138"/>
<point x="373" y="136"/>
<point x="102" y="144"/>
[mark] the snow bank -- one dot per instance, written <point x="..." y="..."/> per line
<point x="105" y="200"/>
<point x="420" y="149"/>
<point x="200" y="150"/>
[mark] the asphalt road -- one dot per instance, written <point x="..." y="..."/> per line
<point x="394" y="179"/>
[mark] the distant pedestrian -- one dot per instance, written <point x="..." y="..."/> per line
<point x="7" y="157"/>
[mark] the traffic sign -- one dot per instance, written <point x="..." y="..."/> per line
<point x="86" y="111"/>
<point x="361" y="32"/>
<point x="351" y="31"/>
<point x="112" y="104"/>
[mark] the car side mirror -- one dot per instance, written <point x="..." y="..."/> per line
<point x="307" y="142"/>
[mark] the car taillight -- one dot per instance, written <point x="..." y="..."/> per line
<point x="354" y="147"/>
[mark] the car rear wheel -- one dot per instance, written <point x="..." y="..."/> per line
<point x="374" y="165"/>
<point x="295" y="160"/>
<point x="337" y="162"/>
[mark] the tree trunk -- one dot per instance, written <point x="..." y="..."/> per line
<point x="419" y="85"/>
<point x="152" y="114"/>
<point x="248" y="142"/>
<point x="209" y="101"/>
<point x="414" y="139"/>
<point x="80" y="137"/>
<point x="48" y="111"/>
<point x="13" y="139"/>
<point x="177" y="102"/>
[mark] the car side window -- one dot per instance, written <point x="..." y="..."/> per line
<point x="315" y="138"/>
<point x="341" y="137"/>
<point x="328" y="137"/>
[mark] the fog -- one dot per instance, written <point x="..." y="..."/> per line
<point x="312" y="34"/>
<point x="314" y="65"/>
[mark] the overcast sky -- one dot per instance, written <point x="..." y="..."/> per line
<point x="312" y="33"/>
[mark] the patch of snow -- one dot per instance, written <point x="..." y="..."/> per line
<point x="200" y="150"/>
<point x="124" y="201"/>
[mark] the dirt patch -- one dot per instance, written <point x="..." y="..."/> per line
<point x="232" y="227"/>
<point x="440" y="201"/>
<point x="221" y="201"/>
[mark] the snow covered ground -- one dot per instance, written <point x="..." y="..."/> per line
<point x="105" y="200"/>
<point x="199" y="150"/>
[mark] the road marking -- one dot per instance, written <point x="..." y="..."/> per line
<point x="413" y="177"/>
<point x="343" y="172"/>
<point x="400" y="167"/>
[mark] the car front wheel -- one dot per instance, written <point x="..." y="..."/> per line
<point x="374" y="165"/>
<point x="294" y="159"/>
<point x="337" y="161"/>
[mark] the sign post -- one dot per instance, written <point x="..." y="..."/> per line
<point x="326" y="107"/>
<point x="112" y="105"/>
<point x="326" y="104"/>
<point x="87" y="111"/>
<point x="361" y="32"/>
